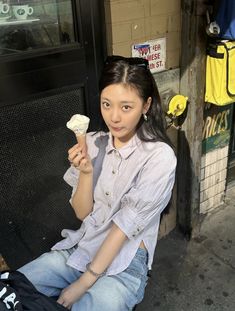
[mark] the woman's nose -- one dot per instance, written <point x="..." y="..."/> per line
<point x="115" y="116"/>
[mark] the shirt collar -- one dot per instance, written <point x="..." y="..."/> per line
<point x="127" y="149"/>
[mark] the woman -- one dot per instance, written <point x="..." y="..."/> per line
<point x="122" y="181"/>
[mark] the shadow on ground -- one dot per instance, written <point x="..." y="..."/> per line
<point x="199" y="274"/>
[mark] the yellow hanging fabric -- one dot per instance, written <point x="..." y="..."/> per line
<point x="220" y="73"/>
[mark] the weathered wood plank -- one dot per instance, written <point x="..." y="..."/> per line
<point x="192" y="84"/>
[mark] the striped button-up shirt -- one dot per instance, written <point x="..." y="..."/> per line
<point x="132" y="186"/>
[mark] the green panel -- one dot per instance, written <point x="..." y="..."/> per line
<point x="216" y="127"/>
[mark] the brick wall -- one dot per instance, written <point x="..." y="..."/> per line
<point x="130" y="22"/>
<point x="213" y="178"/>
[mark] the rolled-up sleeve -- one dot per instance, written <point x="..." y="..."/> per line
<point x="150" y="195"/>
<point x="71" y="178"/>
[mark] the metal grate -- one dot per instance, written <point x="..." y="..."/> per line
<point x="34" y="198"/>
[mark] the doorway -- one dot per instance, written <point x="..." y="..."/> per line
<point x="42" y="84"/>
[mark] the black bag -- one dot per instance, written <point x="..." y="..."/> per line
<point x="18" y="293"/>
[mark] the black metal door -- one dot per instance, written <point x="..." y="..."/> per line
<point x="39" y="91"/>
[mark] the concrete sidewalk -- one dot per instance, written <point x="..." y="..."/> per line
<point x="199" y="274"/>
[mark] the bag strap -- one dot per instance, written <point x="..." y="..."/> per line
<point x="227" y="69"/>
<point x="212" y="50"/>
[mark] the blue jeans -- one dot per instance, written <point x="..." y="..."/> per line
<point x="121" y="292"/>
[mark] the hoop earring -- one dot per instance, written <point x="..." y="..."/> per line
<point x="145" y="117"/>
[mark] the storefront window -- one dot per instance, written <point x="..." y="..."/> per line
<point x="28" y="25"/>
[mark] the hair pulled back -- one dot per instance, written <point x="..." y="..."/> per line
<point x="140" y="79"/>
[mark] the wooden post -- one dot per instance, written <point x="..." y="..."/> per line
<point x="192" y="84"/>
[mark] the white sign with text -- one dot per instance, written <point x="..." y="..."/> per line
<point x="154" y="51"/>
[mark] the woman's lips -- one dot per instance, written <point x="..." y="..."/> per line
<point x="116" y="129"/>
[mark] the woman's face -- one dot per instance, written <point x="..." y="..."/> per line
<point x="122" y="108"/>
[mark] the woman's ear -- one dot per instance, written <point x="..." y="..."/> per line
<point x="147" y="104"/>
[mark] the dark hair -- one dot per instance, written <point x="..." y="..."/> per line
<point x="135" y="73"/>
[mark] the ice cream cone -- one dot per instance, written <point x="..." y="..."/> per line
<point x="79" y="125"/>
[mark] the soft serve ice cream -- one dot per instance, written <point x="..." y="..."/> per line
<point x="79" y="125"/>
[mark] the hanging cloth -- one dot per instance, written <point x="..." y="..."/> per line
<point x="225" y="18"/>
<point x="220" y="73"/>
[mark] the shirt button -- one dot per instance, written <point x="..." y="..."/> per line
<point x="106" y="193"/>
<point x="113" y="172"/>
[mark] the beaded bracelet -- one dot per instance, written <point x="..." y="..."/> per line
<point x="97" y="275"/>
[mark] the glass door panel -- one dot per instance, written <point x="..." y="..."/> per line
<point x="27" y="25"/>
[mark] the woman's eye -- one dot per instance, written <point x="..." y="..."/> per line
<point x="126" y="108"/>
<point x="106" y="105"/>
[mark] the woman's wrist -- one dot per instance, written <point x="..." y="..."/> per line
<point x="82" y="173"/>
<point x="87" y="280"/>
<point x="95" y="274"/>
